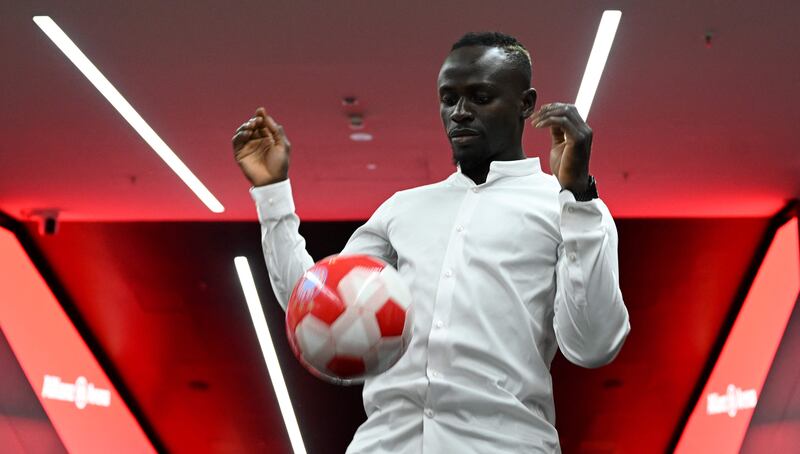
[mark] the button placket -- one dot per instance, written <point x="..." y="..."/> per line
<point x="438" y="337"/>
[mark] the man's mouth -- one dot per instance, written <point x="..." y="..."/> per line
<point x="462" y="135"/>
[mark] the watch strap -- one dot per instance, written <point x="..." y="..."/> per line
<point x="590" y="193"/>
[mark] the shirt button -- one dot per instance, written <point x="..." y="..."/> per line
<point x="434" y="373"/>
<point x="570" y="209"/>
<point x="573" y="257"/>
<point x="271" y="201"/>
<point x="474" y="189"/>
<point x="428" y="412"/>
<point x="439" y="323"/>
<point x="448" y="273"/>
<point x="459" y="228"/>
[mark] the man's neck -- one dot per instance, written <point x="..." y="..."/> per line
<point x="479" y="172"/>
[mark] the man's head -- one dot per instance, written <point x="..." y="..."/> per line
<point x="484" y="97"/>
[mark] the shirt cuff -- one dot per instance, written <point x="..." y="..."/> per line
<point x="273" y="201"/>
<point x="579" y="216"/>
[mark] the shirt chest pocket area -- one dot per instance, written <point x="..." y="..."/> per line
<point x="519" y="246"/>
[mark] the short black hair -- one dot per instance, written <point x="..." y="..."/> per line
<point x="518" y="55"/>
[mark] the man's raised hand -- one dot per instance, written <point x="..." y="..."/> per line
<point x="571" y="144"/>
<point x="262" y="150"/>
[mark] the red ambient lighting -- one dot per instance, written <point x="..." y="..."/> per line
<point x="80" y="401"/>
<point x="721" y="417"/>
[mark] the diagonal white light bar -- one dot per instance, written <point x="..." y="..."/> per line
<point x="54" y="32"/>
<point x="268" y="349"/>
<point x="597" y="61"/>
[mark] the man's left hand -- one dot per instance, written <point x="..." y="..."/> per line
<point x="571" y="144"/>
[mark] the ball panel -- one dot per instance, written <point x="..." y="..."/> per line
<point x="391" y="319"/>
<point x="396" y="287"/>
<point x="339" y="266"/>
<point x="327" y="307"/>
<point x="388" y="350"/>
<point x="346" y="366"/>
<point x="354" y="334"/>
<point x="315" y="342"/>
<point x="312" y="295"/>
<point x="408" y="327"/>
<point x="362" y="288"/>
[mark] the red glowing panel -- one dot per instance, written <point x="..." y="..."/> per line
<point x="80" y="401"/>
<point x="720" y="419"/>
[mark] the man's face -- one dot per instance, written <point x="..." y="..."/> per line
<point x="483" y="105"/>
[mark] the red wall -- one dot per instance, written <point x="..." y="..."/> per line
<point x="161" y="304"/>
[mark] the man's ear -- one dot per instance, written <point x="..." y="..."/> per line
<point x="528" y="102"/>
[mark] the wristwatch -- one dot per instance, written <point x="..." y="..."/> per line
<point x="590" y="193"/>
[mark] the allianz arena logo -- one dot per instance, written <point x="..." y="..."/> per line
<point x="732" y="401"/>
<point x="81" y="393"/>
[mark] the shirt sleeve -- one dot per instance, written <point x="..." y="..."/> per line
<point x="372" y="238"/>
<point x="284" y="248"/>
<point x="590" y="319"/>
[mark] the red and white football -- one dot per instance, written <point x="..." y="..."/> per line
<point x="349" y="317"/>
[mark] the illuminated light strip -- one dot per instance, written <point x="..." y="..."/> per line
<point x="748" y="353"/>
<point x="74" y="54"/>
<point x="268" y="349"/>
<point x="597" y="61"/>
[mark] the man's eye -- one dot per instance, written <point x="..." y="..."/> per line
<point x="448" y="100"/>
<point x="481" y="99"/>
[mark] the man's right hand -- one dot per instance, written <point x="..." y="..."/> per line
<point x="262" y="150"/>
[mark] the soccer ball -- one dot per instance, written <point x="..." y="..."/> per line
<point x="349" y="317"/>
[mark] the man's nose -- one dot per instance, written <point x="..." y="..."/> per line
<point x="460" y="113"/>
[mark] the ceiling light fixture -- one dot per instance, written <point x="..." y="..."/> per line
<point x="268" y="350"/>
<point x="361" y="137"/>
<point x="74" y="54"/>
<point x="597" y="60"/>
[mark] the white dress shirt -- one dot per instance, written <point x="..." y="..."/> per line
<point x="502" y="274"/>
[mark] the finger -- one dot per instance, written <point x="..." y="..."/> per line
<point x="264" y="132"/>
<point x="558" y="108"/>
<point x="272" y="125"/>
<point x="245" y="125"/>
<point x="284" y="139"/>
<point x="261" y="112"/>
<point x="543" y="110"/>
<point x="242" y="135"/>
<point x="570" y="112"/>
<point x="276" y="131"/>
<point x="561" y="127"/>
<point x="241" y="138"/>
<point x="565" y="110"/>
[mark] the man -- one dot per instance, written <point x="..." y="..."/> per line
<point x="505" y="263"/>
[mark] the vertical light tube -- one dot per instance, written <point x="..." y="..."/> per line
<point x="597" y="61"/>
<point x="268" y="349"/>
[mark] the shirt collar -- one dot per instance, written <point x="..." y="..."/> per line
<point x="500" y="169"/>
